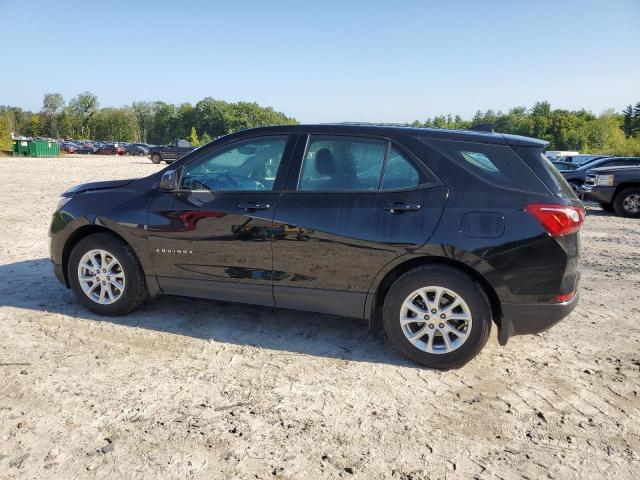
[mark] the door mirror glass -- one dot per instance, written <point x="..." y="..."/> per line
<point x="169" y="181"/>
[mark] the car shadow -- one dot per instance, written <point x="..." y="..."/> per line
<point x="594" y="211"/>
<point x="30" y="285"/>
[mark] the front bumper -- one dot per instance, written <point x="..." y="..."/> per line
<point x="598" y="193"/>
<point x="522" y="319"/>
<point x="58" y="272"/>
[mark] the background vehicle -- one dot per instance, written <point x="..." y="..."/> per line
<point x="559" y="154"/>
<point x="578" y="176"/>
<point x="68" y="147"/>
<point x="615" y="188"/>
<point x="136" y="149"/>
<point x="110" y="149"/>
<point x="170" y="152"/>
<point x="432" y="232"/>
<point x="582" y="159"/>
<point x="560" y="165"/>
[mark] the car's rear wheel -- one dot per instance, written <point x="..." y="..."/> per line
<point x="156" y="158"/>
<point x="105" y="275"/>
<point x="437" y="316"/>
<point x="626" y="203"/>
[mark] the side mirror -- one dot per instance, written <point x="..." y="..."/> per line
<point x="169" y="181"/>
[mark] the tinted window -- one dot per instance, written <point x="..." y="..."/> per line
<point x="246" y="165"/>
<point x="399" y="172"/>
<point x="335" y="163"/>
<point x="496" y="164"/>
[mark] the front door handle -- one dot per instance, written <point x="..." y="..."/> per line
<point x="254" y="206"/>
<point x="400" y="207"/>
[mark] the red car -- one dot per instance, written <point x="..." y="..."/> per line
<point x="68" y="148"/>
<point x="111" y="149"/>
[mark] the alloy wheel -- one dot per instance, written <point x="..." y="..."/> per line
<point x="101" y="276"/>
<point x="631" y="203"/>
<point x="435" y="320"/>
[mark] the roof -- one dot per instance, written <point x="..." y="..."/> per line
<point x="394" y="131"/>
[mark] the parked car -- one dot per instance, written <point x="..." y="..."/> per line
<point x="615" y="188"/>
<point x="582" y="159"/>
<point x="170" y="152"/>
<point x="110" y="149"/>
<point x="87" y="148"/>
<point x="564" y="165"/>
<point x="434" y="233"/>
<point x="578" y="176"/>
<point x="68" y="147"/>
<point x="559" y="154"/>
<point x="134" y="149"/>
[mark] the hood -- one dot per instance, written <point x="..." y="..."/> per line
<point x="86" y="187"/>
<point x="630" y="168"/>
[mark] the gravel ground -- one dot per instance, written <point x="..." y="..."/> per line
<point x="202" y="389"/>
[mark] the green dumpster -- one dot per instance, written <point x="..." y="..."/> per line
<point x="36" y="148"/>
<point x="21" y="148"/>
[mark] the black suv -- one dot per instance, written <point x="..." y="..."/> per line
<point x="434" y="233"/>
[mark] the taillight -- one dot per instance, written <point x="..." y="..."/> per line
<point x="557" y="220"/>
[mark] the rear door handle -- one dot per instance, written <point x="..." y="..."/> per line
<point x="254" y="206"/>
<point x="400" y="207"/>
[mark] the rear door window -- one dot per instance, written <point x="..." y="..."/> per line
<point x="342" y="164"/>
<point x="400" y="173"/>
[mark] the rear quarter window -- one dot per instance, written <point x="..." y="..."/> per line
<point x="498" y="165"/>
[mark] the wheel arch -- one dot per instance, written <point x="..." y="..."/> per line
<point x="83" y="232"/>
<point x="376" y="298"/>
<point x="625" y="185"/>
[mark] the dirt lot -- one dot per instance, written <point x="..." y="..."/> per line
<point x="204" y="389"/>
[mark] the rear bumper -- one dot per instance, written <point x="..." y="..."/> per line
<point x="522" y="319"/>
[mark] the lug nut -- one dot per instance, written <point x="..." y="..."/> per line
<point x="433" y="310"/>
<point x="431" y="325"/>
<point x="426" y="317"/>
<point x="443" y="316"/>
<point x="441" y="325"/>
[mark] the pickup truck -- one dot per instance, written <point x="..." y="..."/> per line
<point x="615" y="188"/>
<point x="170" y="152"/>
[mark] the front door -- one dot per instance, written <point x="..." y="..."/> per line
<point x="212" y="237"/>
<point x="356" y="204"/>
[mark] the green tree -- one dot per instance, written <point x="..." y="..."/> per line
<point x="84" y="105"/>
<point x="52" y="105"/>
<point x="193" y="138"/>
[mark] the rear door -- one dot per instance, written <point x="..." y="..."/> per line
<point x="352" y="204"/>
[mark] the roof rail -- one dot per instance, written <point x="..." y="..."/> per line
<point x="484" y="127"/>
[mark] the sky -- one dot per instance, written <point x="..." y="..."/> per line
<point x="326" y="61"/>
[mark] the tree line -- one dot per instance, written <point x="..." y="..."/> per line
<point x="575" y="130"/>
<point x="148" y="122"/>
<point x="615" y="133"/>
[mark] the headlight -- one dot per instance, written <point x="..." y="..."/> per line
<point x="63" y="201"/>
<point x="604" y="180"/>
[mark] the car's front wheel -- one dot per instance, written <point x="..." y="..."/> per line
<point x="156" y="158"/>
<point x="105" y="275"/>
<point x="437" y="316"/>
<point x="626" y="203"/>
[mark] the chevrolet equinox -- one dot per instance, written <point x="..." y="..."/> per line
<point x="434" y="233"/>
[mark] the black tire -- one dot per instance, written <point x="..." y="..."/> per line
<point x="135" y="289"/>
<point x="607" y="207"/>
<point x="619" y="202"/>
<point x="454" y="280"/>
<point x="156" y="158"/>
